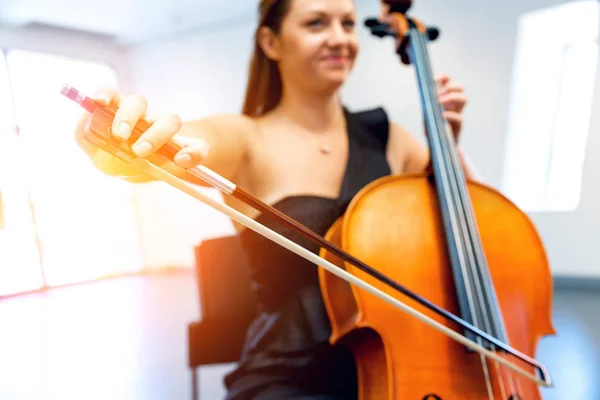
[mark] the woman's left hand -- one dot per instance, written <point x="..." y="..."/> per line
<point x="452" y="98"/>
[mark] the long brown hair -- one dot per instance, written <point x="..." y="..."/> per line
<point x="263" y="90"/>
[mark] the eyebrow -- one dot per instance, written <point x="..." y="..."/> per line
<point x="350" y="13"/>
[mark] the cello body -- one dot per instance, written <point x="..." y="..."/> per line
<point x="394" y="225"/>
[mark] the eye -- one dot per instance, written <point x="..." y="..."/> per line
<point x="315" y="23"/>
<point x="349" y="23"/>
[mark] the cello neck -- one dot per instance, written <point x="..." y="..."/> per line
<point x="475" y="292"/>
<point x="442" y="146"/>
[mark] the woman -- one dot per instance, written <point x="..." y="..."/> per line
<point x="297" y="148"/>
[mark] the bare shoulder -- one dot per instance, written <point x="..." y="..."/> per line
<point x="230" y="124"/>
<point x="406" y="154"/>
<point x="228" y="137"/>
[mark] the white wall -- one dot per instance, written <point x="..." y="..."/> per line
<point x="204" y="74"/>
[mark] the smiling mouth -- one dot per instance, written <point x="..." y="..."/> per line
<point x="339" y="60"/>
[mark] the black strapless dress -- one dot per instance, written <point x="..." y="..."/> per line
<point x="287" y="353"/>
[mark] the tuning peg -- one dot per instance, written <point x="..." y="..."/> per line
<point x="371" y="22"/>
<point x="378" y="28"/>
<point x="433" y="33"/>
<point x="382" y="31"/>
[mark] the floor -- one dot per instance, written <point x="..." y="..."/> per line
<point x="125" y="339"/>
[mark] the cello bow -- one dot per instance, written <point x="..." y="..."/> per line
<point x="98" y="133"/>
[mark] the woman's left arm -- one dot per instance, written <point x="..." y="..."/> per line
<point x="407" y="155"/>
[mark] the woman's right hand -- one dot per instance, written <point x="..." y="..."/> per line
<point x="165" y="128"/>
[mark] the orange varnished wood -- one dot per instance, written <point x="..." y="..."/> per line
<point x="394" y="226"/>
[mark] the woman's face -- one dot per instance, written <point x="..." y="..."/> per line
<point x="317" y="44"/>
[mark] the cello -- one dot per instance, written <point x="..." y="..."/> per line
<point x="453" y="245"/>
<point x="461" y="245"/>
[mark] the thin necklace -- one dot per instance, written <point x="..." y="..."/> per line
<point x="323" y="149"/>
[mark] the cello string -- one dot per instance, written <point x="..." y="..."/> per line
<point x="445" y="168"/>
<point x="472" y="233"/>
<point x="452" y="167"/>
<point x="479" y="263"/>
<point x="469" y="231"/>
<point x="476" y="248"/>
<point x="440" y="123"/>
<point x="446" y="154"/>
<point x="441" y="177"/>
<point x="450" y="199"/>
<point x="519" y="387"/>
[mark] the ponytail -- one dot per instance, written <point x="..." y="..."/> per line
<point x="263" y="91"/>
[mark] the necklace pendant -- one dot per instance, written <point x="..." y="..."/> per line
<point x="325" y="149"/>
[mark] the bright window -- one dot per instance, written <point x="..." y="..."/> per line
<point x="84" y="220"/>
<point x="551" y="99"/>
<point x="19" y="256"/>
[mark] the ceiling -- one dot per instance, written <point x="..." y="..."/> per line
<point x="127" y="21"/>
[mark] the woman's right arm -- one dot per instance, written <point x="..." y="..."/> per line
<point x="218" y="142"/>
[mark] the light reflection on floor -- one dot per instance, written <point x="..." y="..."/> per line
<point x="124" y="339"/>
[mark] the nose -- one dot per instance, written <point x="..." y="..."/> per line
<point x="338" y="35"/>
